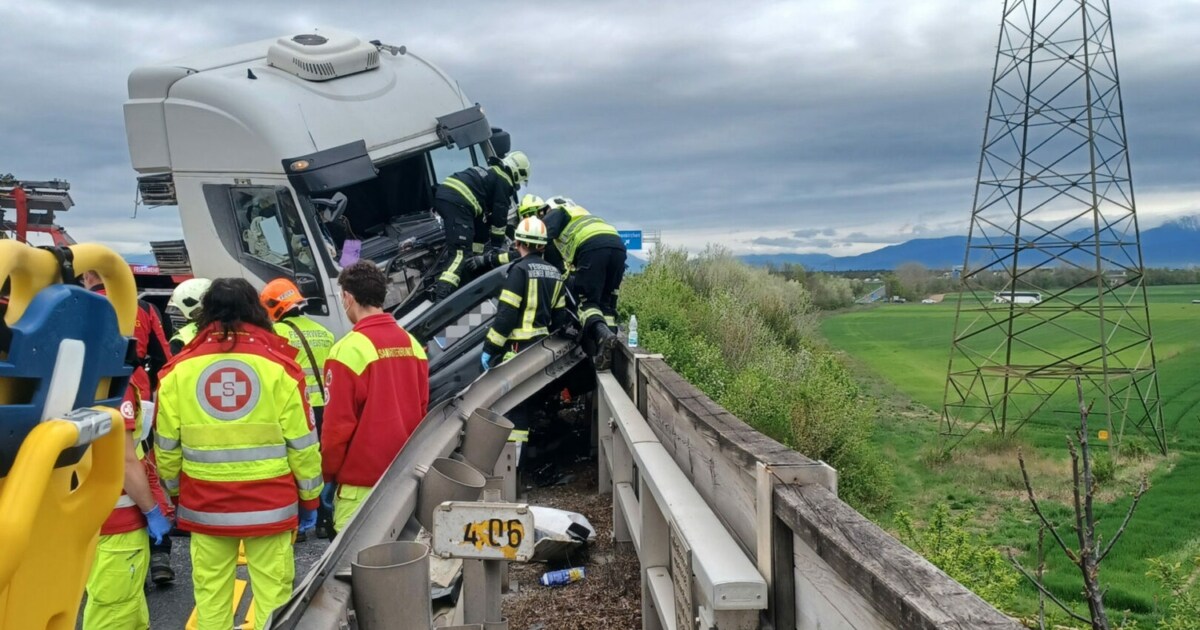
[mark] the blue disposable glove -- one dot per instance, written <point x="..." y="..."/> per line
<point x="308" y="520"/>
<point x="486" y="361"/>
<point x="327" y="495"/>
<point x="157" y="525"/>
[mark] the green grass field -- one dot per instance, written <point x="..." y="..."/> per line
<point x="901" y="352"/>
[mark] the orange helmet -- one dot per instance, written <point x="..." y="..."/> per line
<point x="280" y="296"/>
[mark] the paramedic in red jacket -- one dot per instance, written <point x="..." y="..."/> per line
<point x="376" y="393"/>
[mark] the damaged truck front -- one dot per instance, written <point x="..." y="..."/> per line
<point x="293" y="156"/>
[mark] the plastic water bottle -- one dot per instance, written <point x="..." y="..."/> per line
<point x="633" y="331"/>
<point x="562" y="576"/>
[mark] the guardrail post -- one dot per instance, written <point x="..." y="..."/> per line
<point x="622" y="473"/>
<point x="774" y="538"/>
<point x="482" y="583"/>
<point x="602" y="429"/>
<point x="655" y="553"/>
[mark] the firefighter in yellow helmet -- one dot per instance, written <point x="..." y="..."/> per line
<point x="532" y="302"/>
<point x="594" y="252"/>
<point x="529" y="207"/>
<point x="237" y="445"/>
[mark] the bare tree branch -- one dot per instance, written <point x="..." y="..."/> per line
<point x="1038" y="510"/>
<point x="1044" y="591"/>
<point x="1137" y="496"/>
<point x="1041" y="572"/>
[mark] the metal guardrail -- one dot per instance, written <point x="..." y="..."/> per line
<point x="693" y="571"/>
<point x="322" y="600"/>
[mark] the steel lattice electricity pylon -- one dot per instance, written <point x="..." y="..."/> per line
<point x="1052" y="281"/>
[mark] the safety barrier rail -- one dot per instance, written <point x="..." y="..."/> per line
<point x="691" y="568"/>
<point x="824" y="565"/>
<point x="323" y="599"/>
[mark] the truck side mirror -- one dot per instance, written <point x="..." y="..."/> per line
<point x="501" y="142"/>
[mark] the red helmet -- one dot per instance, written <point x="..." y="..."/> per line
<point x="280" y="296"/>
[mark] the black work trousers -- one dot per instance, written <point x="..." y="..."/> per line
<point x="598" y="274"/>
<point x="459" y="223"/>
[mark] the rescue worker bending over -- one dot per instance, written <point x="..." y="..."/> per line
<point x="532" y="301"/>
<point x="471" y="202"/>
<point x="377" y="392"/>
<point x="186" y="299"/>
<point x="237" y="445"/>
<point x="593" y="252"/>
<point x="116" y="584"/>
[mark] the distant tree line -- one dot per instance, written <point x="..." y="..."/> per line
<point x="914" y="281"/>
<point x="828" y="291"/>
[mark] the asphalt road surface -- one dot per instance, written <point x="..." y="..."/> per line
<point x="170" y="606"/>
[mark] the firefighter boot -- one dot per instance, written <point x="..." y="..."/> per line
<point x="606" y="344"/>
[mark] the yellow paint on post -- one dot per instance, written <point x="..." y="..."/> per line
<point x="496" y="534"/>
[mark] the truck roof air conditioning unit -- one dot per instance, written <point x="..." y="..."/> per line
<point x="324" y="56"/>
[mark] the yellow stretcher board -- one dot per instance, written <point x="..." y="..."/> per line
<point x="50" y="514"/>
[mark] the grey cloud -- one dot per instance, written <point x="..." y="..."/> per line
<point x="801" y="116"/>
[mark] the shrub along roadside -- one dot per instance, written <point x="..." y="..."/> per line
<point x="744" y="338"/>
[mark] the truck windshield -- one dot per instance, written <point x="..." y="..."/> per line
<point x="448" y="161"/>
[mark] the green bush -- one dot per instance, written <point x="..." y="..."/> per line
<point x="948" y="544"/>
<point x="744" y="337"/>
<point x="1180" y="607"/>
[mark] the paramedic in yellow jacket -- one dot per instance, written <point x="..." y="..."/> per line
<point x="116" y="595"/>
<point x="237" y="445"/>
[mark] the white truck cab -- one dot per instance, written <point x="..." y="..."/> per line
<point x="287" y="156"/>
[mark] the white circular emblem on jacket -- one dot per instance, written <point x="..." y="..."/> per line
<point x="228" y="389"/>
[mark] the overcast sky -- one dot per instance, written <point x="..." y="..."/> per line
<point x="836" y="125"/>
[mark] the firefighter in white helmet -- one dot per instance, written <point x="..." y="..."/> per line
<point x="532" y="302"/>
<point x="186" y="299"/>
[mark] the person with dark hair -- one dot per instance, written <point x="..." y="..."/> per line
<point x="233" y="414"/>
<point x="376" y="393"/>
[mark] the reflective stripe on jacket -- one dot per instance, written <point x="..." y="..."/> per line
<point x="572" y="226"/>
<point x="377" y="392"/>
<point x="320" y="341"/>
<point x="235" y="437"/>
<point x="532" y="294"/>
<point x="488" y="192"/>
<point x="185" y="334"/>
<point x="126" y="516"/>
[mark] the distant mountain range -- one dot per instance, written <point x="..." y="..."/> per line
<point x="1175" y="244"/>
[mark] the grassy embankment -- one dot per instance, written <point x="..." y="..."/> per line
<point x="900" y="354"/>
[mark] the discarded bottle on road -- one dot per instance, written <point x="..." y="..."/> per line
<point x="633" y="331"/>
<point x="562" y="576"/>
